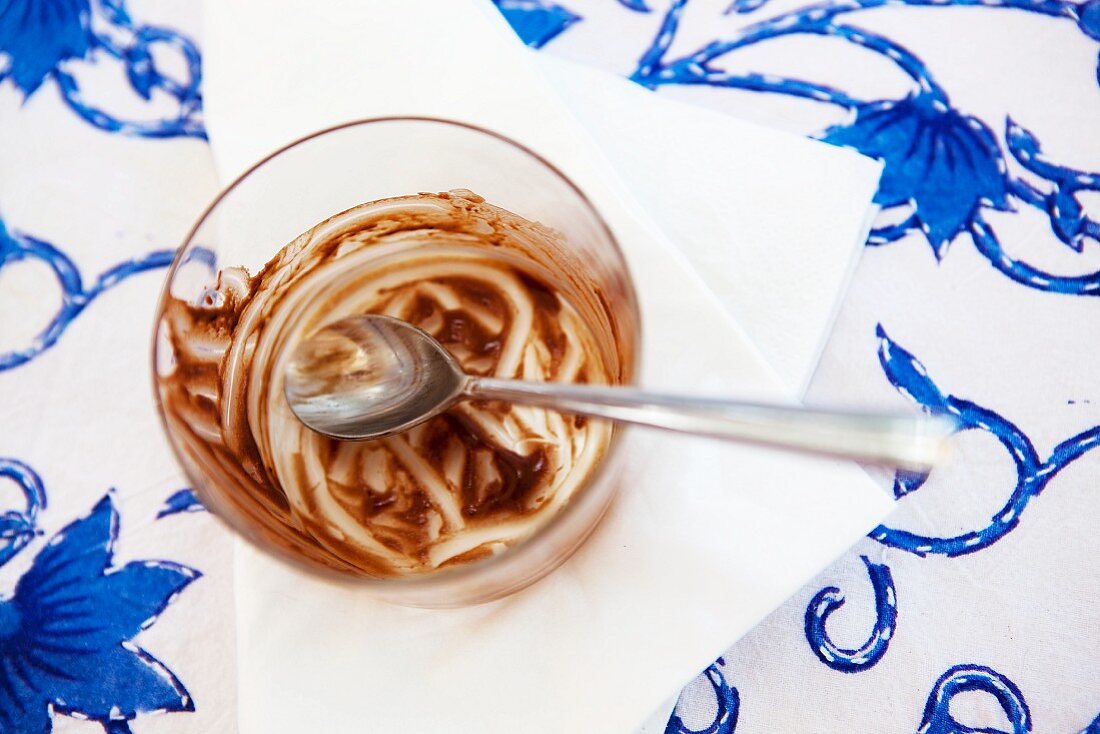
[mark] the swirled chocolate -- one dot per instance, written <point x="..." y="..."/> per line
<point x="462" y="486"/>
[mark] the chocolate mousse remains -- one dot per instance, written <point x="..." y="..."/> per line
<point x="461" y="487"/>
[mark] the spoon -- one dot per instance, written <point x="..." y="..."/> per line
<point x="369" y="376"/>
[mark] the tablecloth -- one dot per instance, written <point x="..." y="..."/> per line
<point x="972" y="609"/>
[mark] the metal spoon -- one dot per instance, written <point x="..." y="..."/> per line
<point x="370" y="376"/>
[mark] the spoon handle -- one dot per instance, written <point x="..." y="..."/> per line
<point x="914" y="442"/>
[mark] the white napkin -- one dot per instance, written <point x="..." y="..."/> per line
<point x="705" y="539"/>
<point x="772" y="222"/>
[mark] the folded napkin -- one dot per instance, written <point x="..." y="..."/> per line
<point x="705" y="538"/>
<point x="772" y="222"/>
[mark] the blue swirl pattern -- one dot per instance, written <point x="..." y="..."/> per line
<point x="910" y="378"/>
<point x="19" y="527"/>
<point x="829" y="599"/>
<point x="962" y="679"/>
<point x="1068" y="220"/>
<point x="726" y="704"/>
<point x="75" y="296"/>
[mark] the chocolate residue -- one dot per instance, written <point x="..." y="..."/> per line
<point x="456" y="489"/>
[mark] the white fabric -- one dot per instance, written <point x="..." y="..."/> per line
<point x="704" y="540"/>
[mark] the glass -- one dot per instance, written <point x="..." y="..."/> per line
<point x="332" y="171"/>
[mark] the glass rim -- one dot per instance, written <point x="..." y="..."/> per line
<point x="446" y="575"/>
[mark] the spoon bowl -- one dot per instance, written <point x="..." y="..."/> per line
<point x="369" y="377"/>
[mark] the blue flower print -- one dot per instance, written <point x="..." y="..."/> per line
<point x="945" y="163"/>
<point x="41" y="41"/>
<point x="37" y="35"/>
<point x="941" y="165"/>
<point x="66" y="633"/>
<point x="185" y="500"/>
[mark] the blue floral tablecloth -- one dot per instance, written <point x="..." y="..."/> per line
<point x="973" y="610"/>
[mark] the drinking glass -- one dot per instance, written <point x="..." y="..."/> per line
<point x="331" y="171"/>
